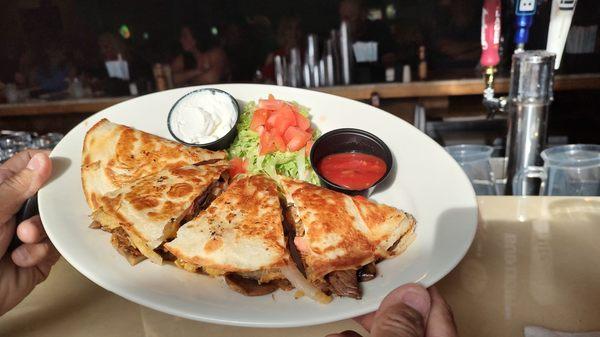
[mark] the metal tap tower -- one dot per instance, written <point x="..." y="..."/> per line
<point x="528" y="104"/>
<point x="532" y="74"/>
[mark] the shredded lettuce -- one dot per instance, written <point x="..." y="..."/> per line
<point x="291" y="164"/>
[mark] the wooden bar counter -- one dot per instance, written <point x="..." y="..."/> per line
<point x="437" y="88"/>
<point x="459" y="87"/>
<point x="534" y="261"/>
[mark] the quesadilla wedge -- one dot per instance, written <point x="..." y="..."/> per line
<point x="144" y="214"/>
<point x="115" y="155"/>
<point x="239" y="236"/>
<point x="338" y="238"/>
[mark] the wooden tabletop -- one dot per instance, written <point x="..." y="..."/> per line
<point x="440" y="88"/>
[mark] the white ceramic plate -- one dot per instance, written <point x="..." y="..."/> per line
<point x="425" y="181"/>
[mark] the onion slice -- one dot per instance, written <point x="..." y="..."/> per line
<point x="300" y="283"/>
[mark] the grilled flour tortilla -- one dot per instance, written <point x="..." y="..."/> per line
<point x="147" y="212"/>
<point x="115" y="155"/>
<point x="336" y="235"/>
<point x="239" y="236"/>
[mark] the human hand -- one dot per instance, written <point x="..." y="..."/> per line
<point x="29" y="264"/>
<point x="408" y="311"/>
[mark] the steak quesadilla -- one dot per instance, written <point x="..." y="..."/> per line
<point x="115" y="155"/>
<point x="144" y="214"/>
<point x="339" y="237"/>
<point x="239" y="236"/>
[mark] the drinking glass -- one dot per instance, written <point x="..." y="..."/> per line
<point x="12" y="93"/>
<point x="568" y="170"/>
<point x="12" y="142"/>
<point x="475" y="161"/>
<point x="17" y="141"/>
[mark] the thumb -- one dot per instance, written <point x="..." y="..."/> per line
<point x="402" y="313"/>
<point x="15" y="190"/>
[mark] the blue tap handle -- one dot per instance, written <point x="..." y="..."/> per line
<point x="522" y="25"/>
<point x="524" y="12"/>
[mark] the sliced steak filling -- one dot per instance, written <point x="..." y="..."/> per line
<point x="203" y="201"/>
<point x="344" y="283"/>
<point x="120" y="240"/>
<point x="289" y="230"/>
<point x="249" y="287"/>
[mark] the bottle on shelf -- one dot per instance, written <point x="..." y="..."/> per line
<point x="406" y="74"/>
<point x="375" y="99"/>
<point x="390" y="74"/>
<point x="422" y="64"/>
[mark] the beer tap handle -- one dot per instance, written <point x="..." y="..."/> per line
<point x="524" y="12"/>
<point x="561" y="15"/>
<point x="490" y="57"/>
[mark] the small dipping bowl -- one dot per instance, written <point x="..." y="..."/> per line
<point x="219" y="144"/>
<point x="350" y="140"/>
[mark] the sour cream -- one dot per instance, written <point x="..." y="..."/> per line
<point x="203" y="117"/>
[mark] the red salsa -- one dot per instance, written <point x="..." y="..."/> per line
<point x="352" y="170"/>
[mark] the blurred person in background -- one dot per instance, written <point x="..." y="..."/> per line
<point x="289" y="35"/>
<point x="355" y="13"/>
<point x="111" y="47"/>
<point x="24" y="75"/>
<point x="52" y="69"/>
<point x="202" y="60"/>
<point x="454" y="34"/>
<point x="248" y="42"/>
<point x="261" y="38"/>
<point x="235" y="43"/>
<point x="408" y="38"/>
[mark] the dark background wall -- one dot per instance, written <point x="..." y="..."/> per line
<point x="27" y="23"/>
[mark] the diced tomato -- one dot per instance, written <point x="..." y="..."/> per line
<point x="270" y="104"/>
<point x="286" y="109"/>
<point x="258" y="118"/>
<point x="307" y="148"/>
<point x="294" y="132"/>
<point x="279" y="123"/>
<point x="296" y="143"/>
<point x="254" y="125"/>
<point x="237" y="166"/>
<point x="302" y="122"/>
<point x="280" y="126"/>
<point x="279" y="143"/>
<point x="296" y="138"/>
<point x="267" y="143"/>
<point x="289" y="134"/>
<point x="271" y="121"/>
